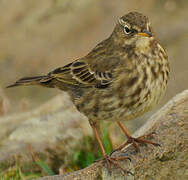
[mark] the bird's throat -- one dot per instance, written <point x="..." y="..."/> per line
<point x="143" y="44"/>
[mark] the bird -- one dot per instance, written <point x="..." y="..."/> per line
<point x="120" y="79"/>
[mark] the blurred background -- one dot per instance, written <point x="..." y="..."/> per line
<point x="38" y="36"/>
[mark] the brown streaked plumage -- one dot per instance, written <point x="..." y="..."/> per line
<point x="123" y="77"/>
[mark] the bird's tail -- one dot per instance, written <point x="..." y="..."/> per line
<point x="36" y="80"/>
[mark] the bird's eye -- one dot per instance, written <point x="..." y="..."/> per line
<point x="127" y="30"/>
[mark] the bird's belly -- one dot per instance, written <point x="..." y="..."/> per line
<point x="98" y="105"/>
<point x="108" y="105"/>
<point x="148" y="98"/>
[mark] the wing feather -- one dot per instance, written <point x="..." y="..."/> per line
<point x="79" y="73"/>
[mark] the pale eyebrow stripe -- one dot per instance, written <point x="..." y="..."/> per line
<point x="136" y="28"/>
<point x="147" y="26"/>
<point x="123" y="23"/>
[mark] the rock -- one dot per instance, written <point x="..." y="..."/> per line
<point x="4" y="103"/>
<point x="56" y="125"/>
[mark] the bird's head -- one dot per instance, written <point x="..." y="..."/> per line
<point x="132" y="28"/>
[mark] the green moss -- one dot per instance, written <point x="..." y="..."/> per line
<point x="90" y="151"/>
<point x="25" y="171"/>
<point x="15" y="173"/>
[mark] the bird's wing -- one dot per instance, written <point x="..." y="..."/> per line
<point x="80" y="73"/>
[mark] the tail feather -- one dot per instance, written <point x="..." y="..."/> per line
<point x="36" y="80"/>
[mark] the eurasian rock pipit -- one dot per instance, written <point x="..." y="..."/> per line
<point x="123" y="77"/>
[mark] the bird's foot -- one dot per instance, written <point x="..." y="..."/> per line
<point x="136" y="141"/>
<point x="109" y="161"/>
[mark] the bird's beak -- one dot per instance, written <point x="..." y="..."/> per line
<point x="145" y="33"/>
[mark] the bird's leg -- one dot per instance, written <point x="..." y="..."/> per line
<point x="134" y="141"/>
<point x="108" y="159"/>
